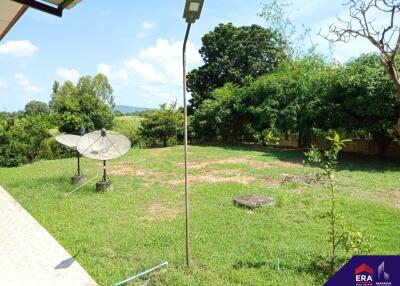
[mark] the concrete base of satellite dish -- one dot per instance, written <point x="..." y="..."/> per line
<point x="79" y="179"/>
<point x="104" y="186"/>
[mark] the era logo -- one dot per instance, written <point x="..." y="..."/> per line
<point x="364" y="273"/>
<point x="363" y="278"/>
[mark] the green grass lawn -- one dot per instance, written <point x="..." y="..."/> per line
<point x="141" y="222"/>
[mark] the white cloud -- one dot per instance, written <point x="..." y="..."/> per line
<point x="120" y="74"/>
<point x="156" y="72"/>
<point x="146" y="27"/>
<point x="3" y="84"/>
<point x="18" y="48"/>
<point x="25" y="83"/>
<point x="68" y="74"/>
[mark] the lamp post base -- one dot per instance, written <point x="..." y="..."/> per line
<point x="78" y="179"/>
<point x="104" y="186"/>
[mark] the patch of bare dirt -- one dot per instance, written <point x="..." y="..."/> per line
<point x="149" y="176"/>
<point x="391" y="198"/>
<point x="217" y="176"/>
<point x="256" y="164"/>
<point x="295" y="191"/>
<point x="307" y="179"/>
<point x="124" y="170"/>
<point x="158" y="211"/>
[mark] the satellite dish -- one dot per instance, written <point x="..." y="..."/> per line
<point x="68" y="140"/>
<point x="71" y="141"/>
<point x="103" y="145"/>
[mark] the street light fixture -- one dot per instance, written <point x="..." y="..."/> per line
<point x="192" y="13"/>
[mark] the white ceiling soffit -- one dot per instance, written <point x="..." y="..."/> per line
<point x="58" y="2"/>
<point x="10" y="12"/>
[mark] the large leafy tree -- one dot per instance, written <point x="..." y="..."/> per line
<point x="86" y="104"/>
<point x="234" y="54"/>
<point x="35" y="107"/>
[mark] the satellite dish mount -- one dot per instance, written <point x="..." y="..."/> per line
<point x="105" y="183"/>
<point x="79" y="177"/>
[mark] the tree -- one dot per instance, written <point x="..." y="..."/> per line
<point x="22" y="138"/>
<point x="386" y="38"/>
<point x="162" y="125"/>
<point x="98" y="86"/>
<point x="81" y="105"/>
<point x="36" y="107"/>
<point x="234" y="54"/>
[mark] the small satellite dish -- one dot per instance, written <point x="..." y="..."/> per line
<point x="103" y="145"/>
<point x="68" y="140"/>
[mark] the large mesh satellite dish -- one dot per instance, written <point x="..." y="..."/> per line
<point x="68" y="140"/>
<point x="103" y="145"/>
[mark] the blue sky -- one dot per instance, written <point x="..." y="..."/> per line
<point x="137" y="44"/>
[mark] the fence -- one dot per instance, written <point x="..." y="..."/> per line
<point x="360" y="146"/>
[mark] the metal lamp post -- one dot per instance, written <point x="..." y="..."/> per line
<point x="191" y="14"/>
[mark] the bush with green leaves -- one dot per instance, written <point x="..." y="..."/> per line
<point x="162" y="126"/>
<point x="222" y="117"/>
<point x="130" y="127"/>
<point x="21" y="139"/>
<point x="357" y="97"/>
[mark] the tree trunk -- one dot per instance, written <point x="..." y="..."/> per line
<point x="165" y="142"/>
<point x="391" y="68"/>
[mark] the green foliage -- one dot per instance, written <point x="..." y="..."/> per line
<point x="284" y="100"/>
<point x="358" y="96"/>
<point x="162" y="125"/>
<point x="130" y="127"/>
<point x="234" y="54"/>
<point x="352" y="241"/>
<point x="35" y="107"/>
<point x="22" y="139"/>
<point x="221" y="117"/>
<point x="270" y="137"/>
<point x="88" y="104"/>
<point x="51" y="150"/>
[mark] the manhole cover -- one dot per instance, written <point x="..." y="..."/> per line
<point x="252" y="201"/>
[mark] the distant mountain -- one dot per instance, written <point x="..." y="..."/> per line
<point x="129" y="109"/>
